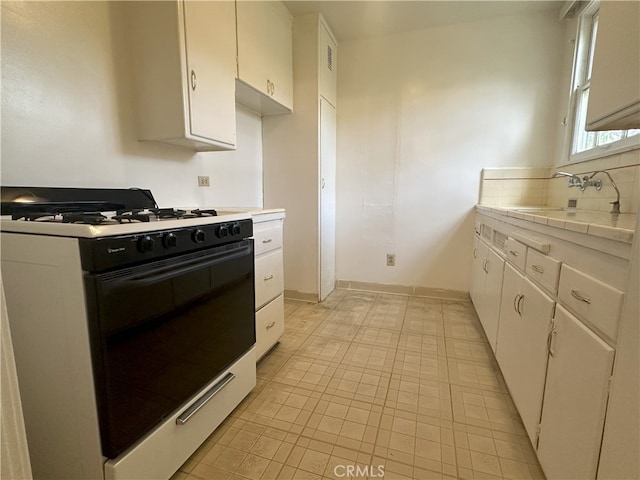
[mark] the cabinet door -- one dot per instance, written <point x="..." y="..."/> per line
<point x="494" y="266"/>
<point x="522" y="348"/>
<point x="252" y="35"/>
<point x="478" y="274"/>
<point x="614" y="97"/>
<point x="265" y="51"/>
<point x="575" y="399"/>
<point x="280" y="66"/>
<point x="210" y="64"/>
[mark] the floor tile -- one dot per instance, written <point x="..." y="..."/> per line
<point x="403" y="385"/>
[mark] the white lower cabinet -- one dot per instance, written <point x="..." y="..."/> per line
<point x="559" y="311"/>
<point x="575" y="399"/>
<point x="269" y="280"/>
<point x="525" y="318"/>
<point x="269" y="325"/>
<point x="487" y="272"/>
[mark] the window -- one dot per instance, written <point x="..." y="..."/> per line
<point x="586" y="145"/>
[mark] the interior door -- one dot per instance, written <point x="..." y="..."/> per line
<point x="327" y="198"/>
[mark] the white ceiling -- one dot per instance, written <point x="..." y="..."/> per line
<point x="359" y="19"/>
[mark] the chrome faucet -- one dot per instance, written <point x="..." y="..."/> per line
<point x="574" y="180"/>
<point x="615" y="206"/>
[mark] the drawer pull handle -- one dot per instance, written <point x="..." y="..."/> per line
<point x="537" y="268"/>
<point x="485" y="265"/>
<point x="575" y="294"/>
<point x="514" y="253"/>
<point x="202" y="401"/>
<point x="271" y="325"/>
<point x="266" y="240"/>
<point x="475" y="253"/>
<point x="268" y="277"/>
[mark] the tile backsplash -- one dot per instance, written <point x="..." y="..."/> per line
<point x="503" y="187"/>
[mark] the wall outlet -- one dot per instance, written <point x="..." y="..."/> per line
<point x="391" y="259"/>
<point x="203" y="181"/>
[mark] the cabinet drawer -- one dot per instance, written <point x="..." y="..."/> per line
<point x="543" y="269"/>
<point x="595" y="301"/>
<point x="269" y="277"/>
<point x="269" y="325"/>
<point x="267" y="236"/>
<point x="516" y="253"/>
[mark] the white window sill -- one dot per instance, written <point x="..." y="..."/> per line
<point x="603" y="151"/>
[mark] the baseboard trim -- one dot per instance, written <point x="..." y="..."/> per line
<point x="441" y="293"/>
<point x="301" y="296"/>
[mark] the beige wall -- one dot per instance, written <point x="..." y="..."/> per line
<point x="419" y="115"/>
<point x="68" y="120"/>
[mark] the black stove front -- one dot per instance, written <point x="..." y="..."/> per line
<point x="168" y="311"/>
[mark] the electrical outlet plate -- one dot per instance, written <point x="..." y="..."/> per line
<point x="391" y="259"/>
<point x="203" y="181"/>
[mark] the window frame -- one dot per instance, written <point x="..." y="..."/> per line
<point x="582" y="60"/>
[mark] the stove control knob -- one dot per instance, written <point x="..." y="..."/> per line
<point x="170" y="240"/>
<point x="223" y="231"/>
<point x="145" y="244"/>
<point x="198" y="236"/>
<point x="235" y="229"/>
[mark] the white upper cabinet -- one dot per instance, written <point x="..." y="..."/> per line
<point x="614" y="97"/>
<point x="183" y="60"/>
<point x="265" y="56"/>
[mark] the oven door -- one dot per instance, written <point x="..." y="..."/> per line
<point x="163" y="330"/>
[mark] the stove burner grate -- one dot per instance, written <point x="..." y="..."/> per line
<point x="204" y="213"/>
<point x="33" y="216"/>
<point x="132" y="216"/>
<point x="91" y="218"/>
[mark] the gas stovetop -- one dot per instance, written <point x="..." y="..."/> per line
<point x="91" y="213"/>
<point x="78" y="215"/>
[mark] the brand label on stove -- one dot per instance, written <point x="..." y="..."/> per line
<point x="115" y="250"/>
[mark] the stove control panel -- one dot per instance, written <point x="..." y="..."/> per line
<point x="99" y="254"/>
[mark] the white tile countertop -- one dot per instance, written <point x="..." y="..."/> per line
<point x="619" y="227"/>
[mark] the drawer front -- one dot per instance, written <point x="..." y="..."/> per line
<point x="269" y="277"/>
<point x="269" y="325"/>
<point x="598" y="303"/>
<point x="160" y="454"/>
<point x="516" y="253"/>
<point x="543" y="269"/>
<point x="267" y="236"/>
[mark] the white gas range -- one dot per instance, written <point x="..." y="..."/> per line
<point x="133" y="327"/>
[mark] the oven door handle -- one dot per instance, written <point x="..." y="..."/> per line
<point x="204" y="399"/>
<point x="154" y="277"/>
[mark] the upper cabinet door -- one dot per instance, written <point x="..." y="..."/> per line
<point x="183" y="64"/>
<point x="252" y="43"/>
<point x="614" y="96"/>
<point x="265" y="56"/>
<point x="280" y="70"/>
<point x="210" y="56"/>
